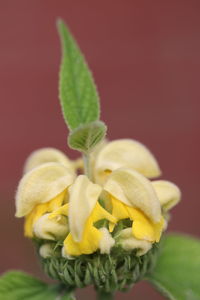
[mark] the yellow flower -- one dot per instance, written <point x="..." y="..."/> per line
<point x="125" y="153"/>
<point x="83" y="211"/>
<point x="58" y="205"/>
<point x="40" y="191"/>
<point x="133" y="197"/>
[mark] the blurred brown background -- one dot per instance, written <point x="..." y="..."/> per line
<point x="145" y="56"/>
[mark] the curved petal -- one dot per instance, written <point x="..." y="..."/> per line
<point x="125" y="153"/>
<point x="106" y="241"/>
<point x="129" y="242"/>
<point x="168" y="193"/>
<point x="133" y="189"/>
<point x="46" y="250"/>
<point x="41" y="185"/>
<point x="51" y="229"/>
<point x="46" y="155"/>
<point x="83" y="196"/>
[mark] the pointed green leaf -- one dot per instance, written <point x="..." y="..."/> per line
<point x="17" y="285"/>
<point x="77" y="90"/>
<point x="177" y="273"/>
<point x="87" y="136"/>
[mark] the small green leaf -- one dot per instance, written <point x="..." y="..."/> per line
<point x="87" y="136"/>
<point x="77" y="90"/>
<point x="177" y="273"/>
<point x="17" y="285"/>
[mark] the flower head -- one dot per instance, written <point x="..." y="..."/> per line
<point x="84" y="214"/>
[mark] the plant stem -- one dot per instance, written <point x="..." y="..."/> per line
<point x="101" y="295"/>
<point x="86" y="160"/>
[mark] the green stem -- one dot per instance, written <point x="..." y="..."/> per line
<point x="86" y="160"/>
<point x="101" y="295"/>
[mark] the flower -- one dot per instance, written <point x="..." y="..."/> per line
<point x="84" y="213"/>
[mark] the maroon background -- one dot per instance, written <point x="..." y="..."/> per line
<point x="145" y="59"/>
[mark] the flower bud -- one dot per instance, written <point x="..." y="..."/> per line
<point x="51" y="229"/>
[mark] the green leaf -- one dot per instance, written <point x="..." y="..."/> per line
<point x="77" y="90"/>
<point x="177" y="273"/>
<point x="87" y="136"/>
<point x="17" y="285"/>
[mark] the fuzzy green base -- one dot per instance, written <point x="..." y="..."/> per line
<point x="117" y="271"/>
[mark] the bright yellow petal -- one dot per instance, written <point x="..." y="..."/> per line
<point x="119" y="210"/>
<point x="100" y="213"/>
<point x="46" y="155"/>
<point x="143" y="228"/>
<point x="88" y="245"/>
<point x="168" y="193"/>
<point x="133" y="189"/>
<point x="41" y="185"/>
<point x="28" y="225"/>
<point x="125" y="153"/>
<point x="61" y="211"/>
<point x="82" y="200"/>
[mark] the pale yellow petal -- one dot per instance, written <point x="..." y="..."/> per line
<point x="46" y="250"/>
<point x="83" y="196"/>
<point x="94" y="155"/>
<point x="129" y="242"/>
<point x="40" y="185"/>
<point x="78" y="164"/>
<point x="106" y="241"/>
<point x="168" y="193"/>
<point x="125" y="153"/>
<point x="46" y="155"/>
<point x="51" y="229"/>
<point x="133" y="189"/>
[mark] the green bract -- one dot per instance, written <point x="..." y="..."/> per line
<point x="86" y="137"/>
<point x="118" y="271"/>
